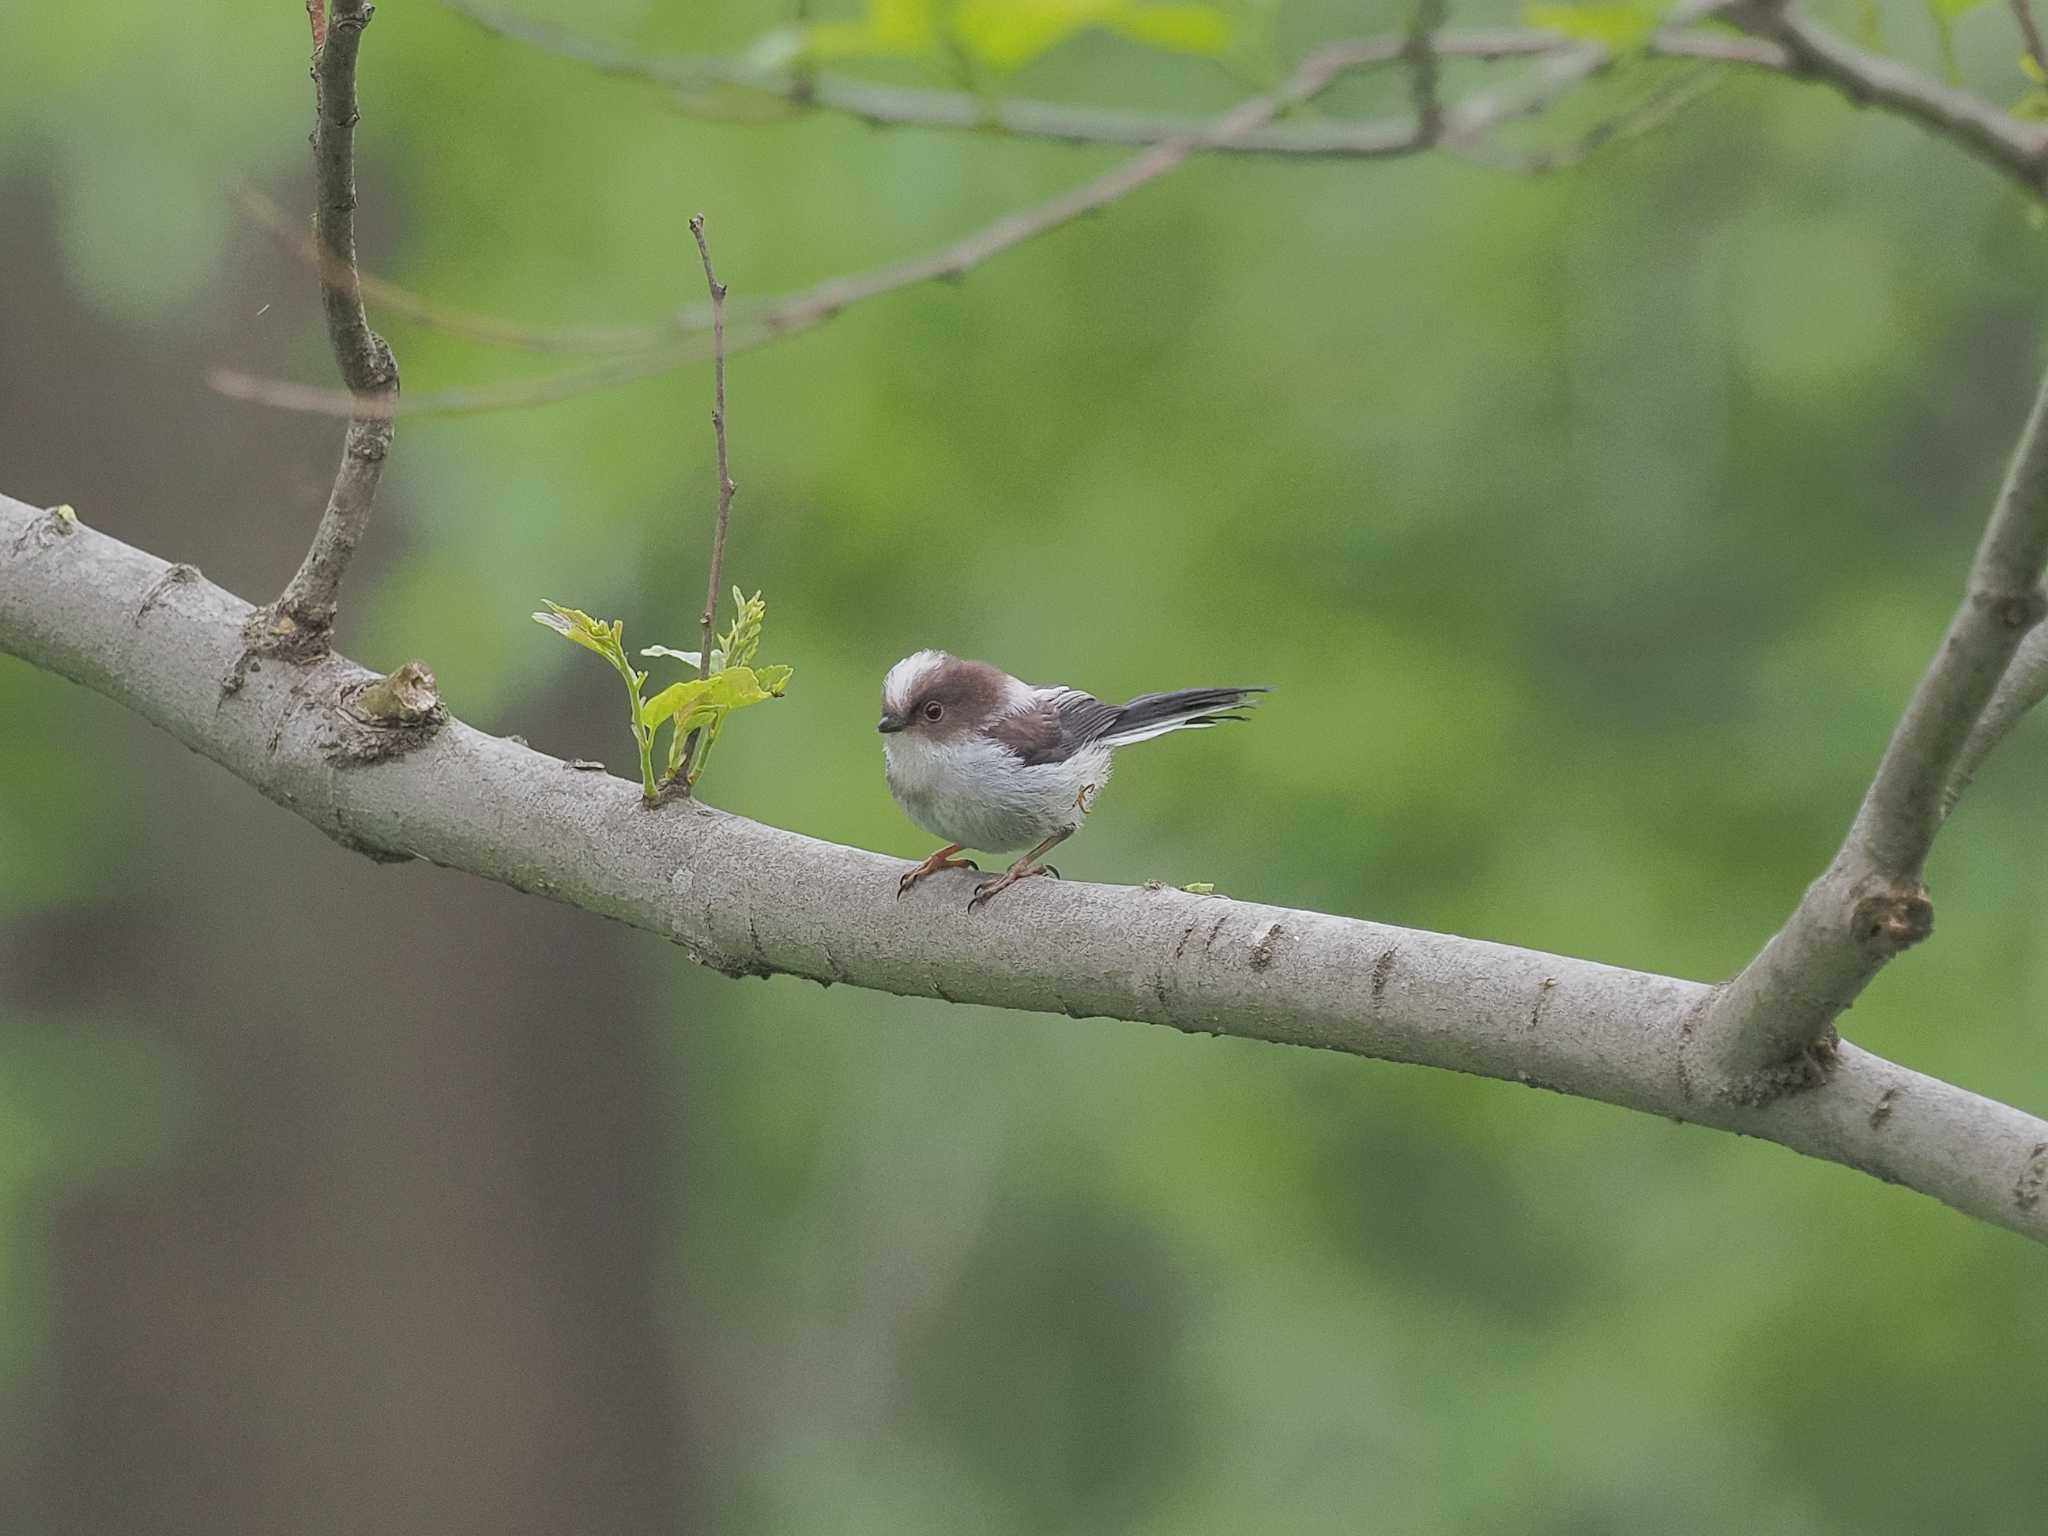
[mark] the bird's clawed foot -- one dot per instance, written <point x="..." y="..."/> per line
<point x="985" y="892"/>
<point x="943" y="859"/>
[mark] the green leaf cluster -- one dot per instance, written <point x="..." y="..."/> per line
<point x="695" y="709"/>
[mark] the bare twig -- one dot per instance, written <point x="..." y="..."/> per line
<point x="715" y="575"/>
<point x="303" y="614"/>
<point x="1756" y="1035"/>
<point x="2023" y="13"/>
<point x="725" y="485"/>
<point x="750" y="899"/>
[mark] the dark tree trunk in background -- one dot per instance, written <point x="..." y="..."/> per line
<point x="399" y="1269"/>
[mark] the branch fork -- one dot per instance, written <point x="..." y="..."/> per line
<point x="1754" y="1036"/>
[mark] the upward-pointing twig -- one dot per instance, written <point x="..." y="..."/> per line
<point x="715" y="575"/>
<point x="1753" y="1035"/>
<point x="303" y="615"/>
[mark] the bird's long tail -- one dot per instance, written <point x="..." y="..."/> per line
<point x="1184" y="709"/>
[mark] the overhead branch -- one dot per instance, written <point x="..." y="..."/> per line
<point x="304" y="614"/>
<point x="752" y="900"/>
<point x="1462" y="125"/>
<point x="1780" y="41"/>
<point x="809" y="90"/>
<point x="1759" y="1034"/>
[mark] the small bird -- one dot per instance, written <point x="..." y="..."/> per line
<point x="986" y="761"/>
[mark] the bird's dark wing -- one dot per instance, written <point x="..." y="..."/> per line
<point x="1056" y="724"/>
<point x="1061" y="721"/>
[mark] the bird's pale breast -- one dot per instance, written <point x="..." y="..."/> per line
<point x="976" y="793"/>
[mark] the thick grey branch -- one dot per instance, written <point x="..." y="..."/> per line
<point x="754" y="900"/>
<point x="304" y="613"/>
<point x="1870" y="903"/>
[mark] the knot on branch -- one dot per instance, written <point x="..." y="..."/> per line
<point x="1891" y="920"/>
<point x="57" y="523"/>
<point x="406" y="697"/>
<point x="2017" y="611"/>
<point x="385" y="717"/>
<point x="1801" y="1072"/>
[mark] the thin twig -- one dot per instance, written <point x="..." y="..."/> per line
<point x="813" y="306"/>
<point x="2023" y="13"/>
<point x="715" y="574"/>
<point x="303" y="614"/>
<point x="1869" y="904"/>
<point x="725" y="485"/>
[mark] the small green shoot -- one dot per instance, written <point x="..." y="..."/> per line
<point x="694" y="710"/>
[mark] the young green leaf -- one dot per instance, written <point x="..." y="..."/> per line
<point x="687" y="658"/>
<point x="575" y="625"/>
<point x="675" y="699"/>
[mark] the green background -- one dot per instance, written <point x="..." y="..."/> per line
<point x="1592" y="528"/>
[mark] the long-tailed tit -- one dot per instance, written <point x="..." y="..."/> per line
<point x="986" y="761"/>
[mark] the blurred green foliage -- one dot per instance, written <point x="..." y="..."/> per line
<point x="1592" y="529"/>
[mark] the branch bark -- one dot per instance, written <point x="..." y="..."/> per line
<point x="303" y="614"/>
<point x="753" y="900"/>
<point x="1758" y="1034"/>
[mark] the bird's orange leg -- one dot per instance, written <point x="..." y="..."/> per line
<point x="1023" y="869"/>
<point x="943" y="859"/>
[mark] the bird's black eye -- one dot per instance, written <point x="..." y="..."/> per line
<point x="934" y="710"/>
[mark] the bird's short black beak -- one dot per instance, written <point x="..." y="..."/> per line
<point x="889" y="725"/>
